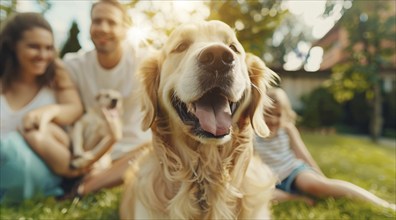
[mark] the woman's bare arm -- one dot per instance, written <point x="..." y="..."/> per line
<point x="67" y="109"/>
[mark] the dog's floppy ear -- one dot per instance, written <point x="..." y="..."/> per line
<point x="97" y="96"/>
<point x="149" y="73"/>
<point x="261" y="78"/>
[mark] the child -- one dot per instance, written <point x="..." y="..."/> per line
<point x="286" y="154"/>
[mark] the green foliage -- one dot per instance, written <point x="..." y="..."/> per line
<point x="347" y="80"/>
<point x="9" y="7"/>
<point x="44" y="5"/>
<point x="162" y="17"/>
<point x="369" y="24"/>
<point x="254" y="21"/>
<point x="320" y="109"/>
<point x="6" y="9"/>
<point x="294" y="32"/>
<point x="72" y="44"/>
<point x="390" y="109"/>
<point x="353" y="114"/>
<point x="354" y="159"/>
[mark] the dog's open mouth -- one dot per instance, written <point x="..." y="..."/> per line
<point x="112" y="108"/>
<point x="210" y="115"/>
<point x="113" y="103"/>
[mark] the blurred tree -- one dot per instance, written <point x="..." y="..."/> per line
<point x="153" y="21"/>
<point x="370" y="26"/>
<point x="72" y="44"/>
<point x="353" y="114"/>
<point x="320" y="109"/>
<point x="44" y="5"/>
<point x="390" y="109"/>
<point x="254" y="21"/>
<point x="290" y="33"/>
<point x="293" y="39"/>
<point x="8" y="7"/>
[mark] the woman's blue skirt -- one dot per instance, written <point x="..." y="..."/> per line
<point x="23" y="174"/>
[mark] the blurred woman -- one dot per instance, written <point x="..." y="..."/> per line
<point x="37" y="100"/>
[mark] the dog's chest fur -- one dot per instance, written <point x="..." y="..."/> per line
<point x="96" y="130"/>
<point x="203" y="176"/>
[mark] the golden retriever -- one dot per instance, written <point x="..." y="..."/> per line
<point x="94" y="134"/>
<point x="203" y="98"/>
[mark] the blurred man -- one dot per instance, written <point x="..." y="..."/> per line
<point x="111" y="65"/>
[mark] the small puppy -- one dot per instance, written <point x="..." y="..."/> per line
<point x="96" y="132"/>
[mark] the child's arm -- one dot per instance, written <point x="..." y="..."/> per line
<point x="299" y="148"/>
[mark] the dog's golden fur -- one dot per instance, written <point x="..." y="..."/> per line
<point x="190" y="172"/>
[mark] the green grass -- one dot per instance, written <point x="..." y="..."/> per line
<point x="361" y="162"/>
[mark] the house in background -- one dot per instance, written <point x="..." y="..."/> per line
<point x="300" y="82"/>
<point x="334" y="44"/>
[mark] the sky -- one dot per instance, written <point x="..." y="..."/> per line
<point x="63" y="12"/>
<point x="61" y="16"/>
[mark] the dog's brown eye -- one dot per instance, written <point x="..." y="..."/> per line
<point x="181" y="47"/>
<point x="233" y="47"/>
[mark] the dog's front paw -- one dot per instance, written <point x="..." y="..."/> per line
<point x="81" y="161"/>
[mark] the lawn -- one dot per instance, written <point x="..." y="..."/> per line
<point x="371" y="166"/>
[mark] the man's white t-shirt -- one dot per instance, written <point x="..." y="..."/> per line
<point x="90" y="77"/>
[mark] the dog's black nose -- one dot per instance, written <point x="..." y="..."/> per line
<point x="114" y="103"/>
<point x="216" y="59"/>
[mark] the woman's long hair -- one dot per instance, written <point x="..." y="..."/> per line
<point x="10" y="34"/>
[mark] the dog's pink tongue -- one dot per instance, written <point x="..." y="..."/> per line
<point x="214" y="114"/>
<point x="113" y="112"/>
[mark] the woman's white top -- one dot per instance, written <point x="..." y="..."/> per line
<point x="11" y="120"/>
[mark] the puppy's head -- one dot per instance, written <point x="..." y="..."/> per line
<point x="109" y="99"/>
<point x="204" y="81"/>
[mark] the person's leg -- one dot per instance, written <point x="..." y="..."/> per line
<point x="282" y="196"/>
<point x="286" y="192"/>
<point x="319" y="186"/>
<point x="23" y="174"/>
<point x="52" y="145"/>
<point x="111" y="177"/>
